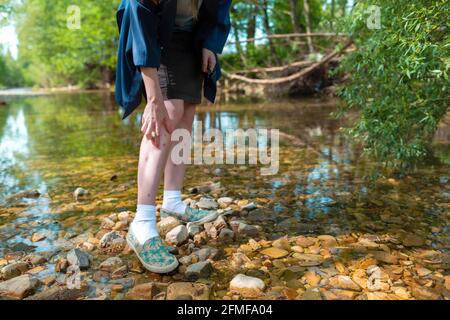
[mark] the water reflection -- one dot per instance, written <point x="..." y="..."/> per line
<point x="13" y="147"/>
<point x="58" y="143"/>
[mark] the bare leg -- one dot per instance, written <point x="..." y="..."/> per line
<point x="153" y="160"/>
<point x="173" y="173"/>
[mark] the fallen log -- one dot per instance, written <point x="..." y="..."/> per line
<point x="278" y="68"/>
<point x="292" y="77"/>
<point x="290" y="35"/>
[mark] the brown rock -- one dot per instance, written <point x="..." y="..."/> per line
<point x="36" y="237"/>
<point x="412" y="240"/>
<point x="385" y="257"/>
<point x="424" y="293"/>
<point x="312" y="278"/>
<point x="344" y="282"/>
<point x="275" y="253"/>
<point x="18" y="287"/>
<point x="59" y="293"/>
<point x="197" y="291"/>
<point x="144" y="291"/>
<point x="305" y="242"/>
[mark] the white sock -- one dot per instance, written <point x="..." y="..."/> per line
<point x="144" y="223"/>
<point x="172" y="201"/>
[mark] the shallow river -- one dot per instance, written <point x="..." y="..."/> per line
<point x="57" y="143"/>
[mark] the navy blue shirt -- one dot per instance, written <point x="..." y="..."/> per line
<point x="146" y="28"/>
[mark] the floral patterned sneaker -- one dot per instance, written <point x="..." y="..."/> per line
<point x="153" y="255"/>
<point x="192" y="215"/>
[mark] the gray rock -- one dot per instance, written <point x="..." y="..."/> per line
<point x="207" y="203"/>
<point x="178" y="235"/>
<point x="249" y="207"/>
<point x="193" y="229"/>
<point x="108" y="239"/>
<point x="13" y="270"/>
<point x="111" y="264"/>
<point x="248" y="230"/>
<point x="206" y="253"/>
<point x="77" y="257"/>
<point x="226" y="234"/>
<point x="199" y="270"/>
<point x="18" y="287"/>
<point x="79" y="193"/>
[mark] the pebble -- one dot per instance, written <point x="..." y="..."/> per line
<point x="199" y="270"/>
<point x="111" y="238"/>
<point x="275" y="253"/>
<point x="195" y="291"/>
<point x="36" y="237"/>
<point x="166" y="224"/>
<point x="207" y="204"/>
<point x="79" y="193"/>
<point x="226" y="235"/>
<point x="177" y="235"/>
<point x="13" y="270"/>
<point x="144" y="291"/>
<point x="412" y="240"/>
<point x="344" y="282"/>
<point x="249" y="287"/>
<point x="225" y="201"/>
<point x="193" y="229"/>
<point x="18" y="287"/>
<point x="111" y="264"/>
<point x="77" y="257"/>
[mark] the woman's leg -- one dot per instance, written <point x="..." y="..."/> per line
<point x="152" y="161"/>
<point x="174" y="173"/>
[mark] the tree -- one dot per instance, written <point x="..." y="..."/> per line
<point x="399" y="76"/>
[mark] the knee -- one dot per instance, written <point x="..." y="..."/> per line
<point x="188" y="117"/>
<point x="173" y="121"/>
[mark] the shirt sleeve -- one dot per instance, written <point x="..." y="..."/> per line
<point x="144" y="35"/>
<point x="218" y="36"/>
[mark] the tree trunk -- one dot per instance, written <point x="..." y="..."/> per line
<point x="251" y="27"/>
<point x="237" y="39"/>
<point x="333" y="8"/>
<point x="268" y="30"/>
<point x="308" y="25"/>
<point x="294" y="16"/>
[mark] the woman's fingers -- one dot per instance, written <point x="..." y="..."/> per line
<point x="205" y="63"/>
<point x="211" y="63"/>
<point x="144" y="126"/>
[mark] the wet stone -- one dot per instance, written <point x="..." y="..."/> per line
<point x="13" y="270"/>
<point x="197" y="291"/>
<point x="199" y="270"/>
<point x="18" y="287"/>
<point x="77" y="257"/>
<point x="249" y="287"/>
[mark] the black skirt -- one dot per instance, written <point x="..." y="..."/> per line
<point x="180" y="74"/>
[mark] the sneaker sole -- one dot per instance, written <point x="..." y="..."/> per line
<point x="151" y="268"/>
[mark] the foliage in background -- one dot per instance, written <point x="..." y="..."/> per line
<point x="57" y="55"/>
<point x="399" y="77"/>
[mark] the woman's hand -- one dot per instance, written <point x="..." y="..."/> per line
<point x="153" y="119"/>
<point x="208" y="61"/>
